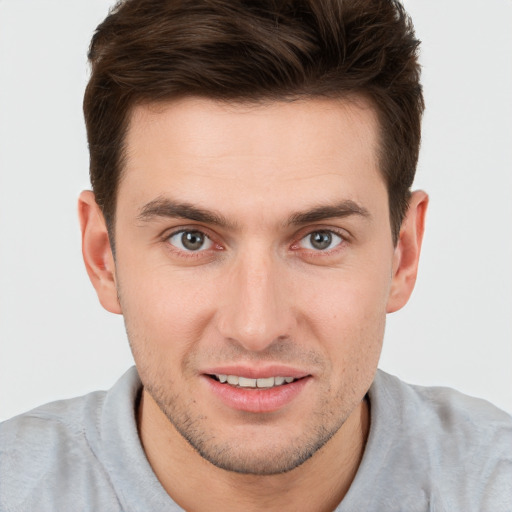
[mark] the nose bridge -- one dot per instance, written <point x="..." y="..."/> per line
<point x="254" y="314"/>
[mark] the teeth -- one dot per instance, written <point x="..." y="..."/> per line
<point x="244" y="382"/>
<point x="232" y="379"/>
<point x="265" y="383"/>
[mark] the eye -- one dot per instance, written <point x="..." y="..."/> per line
<point x="190" y="240"/>
<point x="322" y="240"/>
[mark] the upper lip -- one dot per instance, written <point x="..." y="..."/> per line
<point x="251" y="372"/>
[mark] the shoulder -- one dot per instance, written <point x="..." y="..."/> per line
<point x="444" y="413"/>
<point x="48" y="449"/>
<point x="450" y="409"/>
<point x="459" y="448"/>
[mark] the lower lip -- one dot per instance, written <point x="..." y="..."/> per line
<point x="257" y="400"/>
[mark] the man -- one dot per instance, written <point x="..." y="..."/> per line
<point x="251" y="218"/>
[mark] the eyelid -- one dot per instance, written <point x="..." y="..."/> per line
<point x="304" y="233"/>
<point x="208" y="242"/>
<point x="335" y="241"/>
<point x="168" y="232"/>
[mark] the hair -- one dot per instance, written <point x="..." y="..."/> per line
<point x="149" y="51"/>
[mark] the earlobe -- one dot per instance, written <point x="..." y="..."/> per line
<point x="96" y="251"/>
<point x="407" y="252"/>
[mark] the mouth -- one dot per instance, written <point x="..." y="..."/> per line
<point x="238" y="381"/>
<point x="257" y="391"/>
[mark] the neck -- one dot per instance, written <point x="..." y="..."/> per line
<point x="319" y="484"/>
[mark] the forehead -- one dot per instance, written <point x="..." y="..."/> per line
<point x="217" y="153"/>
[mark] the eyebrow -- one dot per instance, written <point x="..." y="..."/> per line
<point x="166" y="208"/>
<point x="162" y="207"/>
<point x="342" y="209"/>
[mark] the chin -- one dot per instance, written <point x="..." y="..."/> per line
<point x="258" y="449"/>
<point x="266" y="460"/>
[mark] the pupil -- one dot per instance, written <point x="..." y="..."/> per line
<point x="321" y="240"/>
<point x="192" y="240"/>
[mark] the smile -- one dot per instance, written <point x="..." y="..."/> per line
<point x="261" y="383"/>
<point x="256" y="390"/>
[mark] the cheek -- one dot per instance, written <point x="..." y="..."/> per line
<point x="165" y="311"/>
<point x="347" y="313"/>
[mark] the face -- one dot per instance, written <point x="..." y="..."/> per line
<point x="253" y="266"/>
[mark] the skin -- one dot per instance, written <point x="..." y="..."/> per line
<point x="257" y="294"/>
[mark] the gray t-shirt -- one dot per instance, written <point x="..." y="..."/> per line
<point x="429" y="449"/>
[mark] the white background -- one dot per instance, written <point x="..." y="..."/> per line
<point x="56" y="341"/>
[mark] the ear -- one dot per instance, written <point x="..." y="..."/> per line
<point x="96" y="251"/>
<point x="407" y="252"/>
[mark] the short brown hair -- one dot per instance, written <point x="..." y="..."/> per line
<point x="255" y="50"/>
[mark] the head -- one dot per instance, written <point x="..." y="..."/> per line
<point x="254" y="52"/>
<point x="252" y="163"/>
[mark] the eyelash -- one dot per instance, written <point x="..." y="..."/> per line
<point x="166" y="238"/>
<point x="312" y="253"/>
<point x="206" y="239"/>
<point x="295" y="246"/>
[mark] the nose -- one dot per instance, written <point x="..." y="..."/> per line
<point x="255" y="308"/>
